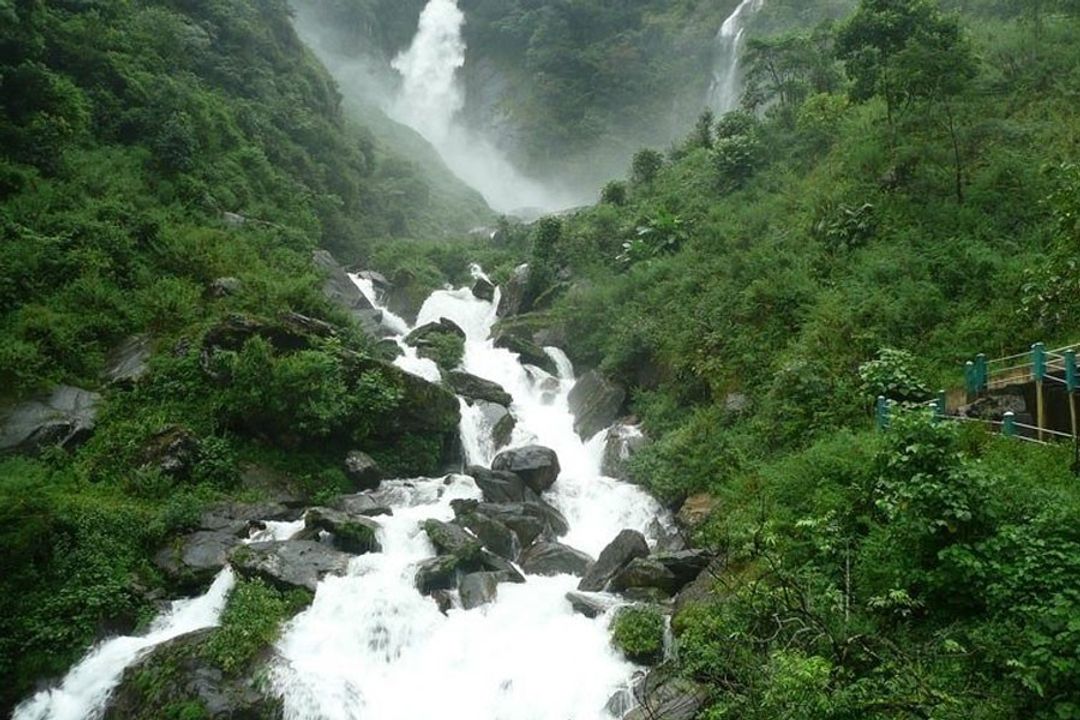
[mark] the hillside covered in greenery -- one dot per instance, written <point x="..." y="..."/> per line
<point x="900" y="193"/>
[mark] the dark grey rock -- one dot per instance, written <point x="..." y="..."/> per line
<point x="500" y="420"/>
<point x="512" y="299"/>
<point x="362" y="504"/>
<point x="340" y="290"/>
<point x="437" y="573"/>
<point x="494" y="535"/>
<point x="626" y="546"/>
<point x="476" y="388"/>
<point x="552" y="558"/>
<point x="623" y="441"/>
<point x="664" y="694"/>
<point x="590" y="605"/>
<point x="596" y="402"/>
<point x="354" y="534"/>
<point x="685" y="565"/>
<point x="528" y="352"/>
<point x="482" y="289"/>
<point x="501" y="486"/>
<point x="537" y="466"/>
<point x="644" y="573"/>
<point x="506" y="570"/>
<point x="184" y="674"/>
<point x="65" y="417"/>
<point x="702" y="588"/>
<point x="191" y="561"/>
<point x="450" y="539"/>
<point x="363" y="472"/>
<point x="127" y="363"/>
<point x="288" y="564"/>
<point x="479" y="588"/>
<point x="444" y="600"/>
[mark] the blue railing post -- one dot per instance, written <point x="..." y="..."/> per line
<point x="1070" y="370"/>
<point x="881" y="412"/>
<point x="969" y="378"/>
<point x="1008" y="427"/>
<point x="982" y="373"/>
<point x="1038" y="360"/>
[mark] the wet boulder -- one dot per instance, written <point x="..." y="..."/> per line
<point x="441" y="341"/>
<point x="623" y="441"/>
<point x="288" y="564"/>
<point x="474" y="388"/>
<point x="181" y="673"/>
<point x="501" y="486"/>
<point x="528" y="520"/>
<point x="665" y="694"/>
<point x="596" y="402"/>
<point x="626" y="546"/>
<point x="645" y="573"/>
<point x="494" y="535"/>
<point x="685" y="565"/>
<point x="528" y="352"/>
<point x="591" y="605"/>
<point x="354" y="534"/>
<point x="64" y="418"/>
<point x="537" y="466"/>
<point x="552" y="558"/>
<point x="362" y="471"/>
<point x="482" y="289"/>
<point x="341" y="291"/>
<point x="513" y="298"/>
<point x="451" y="539"/>
<point x="437" y="573"/>
<point x="191" y="561"/>
<point x="478" y="588"/>
<point x="694" y="511"/>
<point x="499" y="420"/>
<point x="128" y="362"/>
<point x="362" y="504"/>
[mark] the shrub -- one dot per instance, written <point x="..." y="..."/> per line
<point x="638" y="632"/>
<point x="251" y="622"/>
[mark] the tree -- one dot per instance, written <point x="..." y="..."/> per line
<point x="784" y="70"/>
<point x="645" y="165"/>
<point x="879" y="32"/>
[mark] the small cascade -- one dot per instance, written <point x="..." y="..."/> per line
<point x="724" y="88"/>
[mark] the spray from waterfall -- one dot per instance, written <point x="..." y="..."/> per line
<point x="724" y="89"/>
<point x="430" y="100"/>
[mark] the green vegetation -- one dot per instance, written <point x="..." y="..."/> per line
<point x="638" y="632"/>
<point x="250" y="623"/>
<point x="901" y="197"/>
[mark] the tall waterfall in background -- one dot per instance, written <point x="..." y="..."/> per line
<point x="429" y="101"/>
<point x="724" y="89"/>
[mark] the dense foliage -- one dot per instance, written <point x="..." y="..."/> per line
<point x="898" y="194"/>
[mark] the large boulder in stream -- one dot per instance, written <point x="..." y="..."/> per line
<point x="513" y="298"/>
<point x="444" y="571"/>
<point x="482" y="289"/>
<point x="500" y="422"/>
<point x="191" y="561"/>
<point x="623" y="441"/>
<point x="363" y="472"/>
<point x="63" y="418"/>
<point x="450" y="539"/>
<point x="479" y="588"/>
<point x="537" y="466"/>
<point x="528" y="520"/>
<point x="288" y="564"/>
<point x="340" y="290"/>
<point x="626" y="546"/>
<point x="501" y="486"/>
<point x="552" y="558"/>
<point x="527" y="351"/>
<point x="355" y="534"/>
<point x="591" y="605"/>
<point x="474" y="388"/>
<point x="596" y="402"/>
<point x="494" y="535"/>
<point x="442" y="342"/>
<point x="665" y="694"/>
<point x="644" y="573"/>
<point x="180" y="673"/>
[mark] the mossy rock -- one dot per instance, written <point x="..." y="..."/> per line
<point x="638" y="632"/>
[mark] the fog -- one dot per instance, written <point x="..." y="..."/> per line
<point x="422" y="88"/>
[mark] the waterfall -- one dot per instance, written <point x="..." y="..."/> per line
<point x="724" y="88"/>
<point x="370" y="646"/>
<point x="430" y="100"/>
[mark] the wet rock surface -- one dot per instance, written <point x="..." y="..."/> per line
<point x="476" y="388"/>
<point x="288" y="564"/>
<point x="64" y="418"/>
<point x="354" y="534"/>
<point x="537" y="466"/>
<point x="596" y="402"/>
<point x="626" y="546"/>
<point x="552" y="558"/>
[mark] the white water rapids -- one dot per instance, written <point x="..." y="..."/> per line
<point x="370" y="647"/>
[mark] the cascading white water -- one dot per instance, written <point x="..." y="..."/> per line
<point x="724" y="89"/>
<point x="371" y="647"/>
<point x="429" y="101"/>
<point x="86" y="687"/>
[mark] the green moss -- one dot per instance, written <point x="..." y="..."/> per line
<point x="250" y="623"/>
<point x="638" y="632"/>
